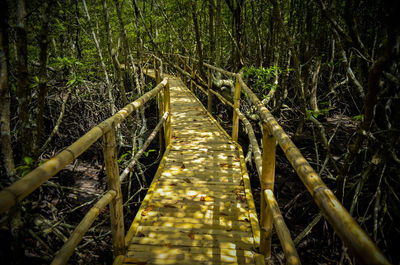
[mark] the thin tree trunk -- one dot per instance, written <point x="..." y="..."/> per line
<point x="218" y="34"/>
<point x="42" y="93"/>
<point x="23" y="90"/>
<point x="96" y="42"/>
<point x="198" y="38"/>
<point x="314" y="86"/>
<point x="6" y="148"/>
<point x="211" y="30"/>
<point x="297" y="70"/>
<point x="111" y="53"/>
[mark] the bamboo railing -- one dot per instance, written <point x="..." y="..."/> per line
<point x="356" y="239"/>
<point x="19" y="190"/>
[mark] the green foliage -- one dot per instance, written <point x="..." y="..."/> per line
<point x="35" y="82"/>
<point x="123" y="157"/>
<point x="315" y="114"/>
<point x="261" y="79"/>
<point x="74" y="80"/>
<point x="67" y="62"/>
<point x="26" y="167"/>
<point x="146" y="153"/>
<point x="358" y="117"/>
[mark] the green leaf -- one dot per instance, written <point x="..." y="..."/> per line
<point x="358" y="117"/>
<point x="28" y="160"/>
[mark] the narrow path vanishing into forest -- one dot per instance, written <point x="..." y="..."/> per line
<point x="199" y="208"/>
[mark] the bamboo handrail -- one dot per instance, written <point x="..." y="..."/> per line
<point x="291" y="256"/>
<point x="344" y="225"/>
<point x="220" y="97"/>
<point x="68" y="248"/>
<point x="20" y="189"/>
<point x="201" y="89"/>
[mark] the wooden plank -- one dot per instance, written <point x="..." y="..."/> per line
<point x="227" y="208"/>
<point x="201" y="231"/>
<point x="221" y="220"/>
<point x="164" y="252"/>
<point x="197" y="241"/>
<point x="228" y="226"/>
<point x="208" y="216"/>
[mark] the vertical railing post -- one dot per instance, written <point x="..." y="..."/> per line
<point x="167" y="107"/>
<point x="185" y="68"/>
<point x="236" y="105"/>
<point x="160" y="101"/>
<point x="192" y="78"/>
<point x="209" y="94"/>
<point x="267" y="182"/>
<point x="161" y="69"/>
<point x="113" y="183"/>
<point x="157" y="72"/>
<point x="177" y="63"/>
<point x="155" y="67"/>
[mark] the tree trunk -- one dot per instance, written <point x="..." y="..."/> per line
<point x="42" y="93"/>
<point x="198" y="38"/>
<point x="314" y="86"/>
<point x="6" y="149"/>
<point x="211" y="31"/>
<point x="111" y="53"/>
<point x="23" y="90"/>
<point x="297" y="70"/>
<point x="96" y="42"/>
<point x="218" y="34"/>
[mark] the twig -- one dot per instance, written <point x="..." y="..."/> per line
<point x="60" y="117"/>
<point x="307" y="230"/>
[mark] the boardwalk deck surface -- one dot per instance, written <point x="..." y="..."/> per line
<point x="199" y="208"/>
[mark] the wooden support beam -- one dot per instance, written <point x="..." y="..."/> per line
<point x="68" y="248"/>
<point x="291" y="256"/>
<point x="209" y="94"/>
<point x="113" y="183"/>
<point x="167" y="108"/>
<point x="192" y="79"/>
<point x="267" y="180"/>
<point x="236" y="105"/>
<point x="185" y="69"/>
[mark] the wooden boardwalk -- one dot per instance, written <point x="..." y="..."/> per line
<point x="199" y="208"/>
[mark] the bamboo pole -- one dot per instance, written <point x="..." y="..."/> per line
<point x="267" y="180"/>
<point x="167" y="108"/>
<point x="222" y="71"/>
<point x="145" y="145"/>
<point x="76" y="237"/>
<point x="220" y="97"/>
<point x="185" y="69"/>
<point x="178" y="73"/>
<point x="25" y="186"/>
<point x="160" y="103"/>
<point x="116" y="211"/>
<point x="236" y="105"/>
<point x="291" y="256"/>
<point x="201" y="89"/>
<point x="157" y="71"/>
<point x="192" y="79"/>
<point x="209" y="95"/>
<point x="344" y="225"/>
